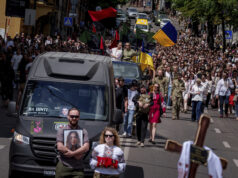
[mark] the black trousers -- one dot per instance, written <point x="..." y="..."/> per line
<point x="208" y="99"/>
<point x="141" y="126"/>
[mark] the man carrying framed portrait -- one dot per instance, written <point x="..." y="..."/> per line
<point x="72" y="144"/>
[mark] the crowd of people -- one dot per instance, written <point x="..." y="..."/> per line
<point x="17" y="55"/>
<point x="187" y="74"/>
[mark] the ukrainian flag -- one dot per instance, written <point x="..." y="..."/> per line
<point x="167" y="36"/>
<point x="146" y="59"/>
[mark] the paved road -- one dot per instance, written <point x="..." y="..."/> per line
<point x="153" y="161"/>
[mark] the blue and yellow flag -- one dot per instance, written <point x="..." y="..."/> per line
<point x="166" y="36"/>
<point x="145" y="59"/>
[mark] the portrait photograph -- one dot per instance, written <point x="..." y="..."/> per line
<point x="73" y="139"/>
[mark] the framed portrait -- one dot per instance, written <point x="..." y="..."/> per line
<point x="73" y="139"/>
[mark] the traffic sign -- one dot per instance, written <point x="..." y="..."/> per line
<point x="73" y="14"/>
<point x="68" y="21"/>
<point x="228" y="34"/>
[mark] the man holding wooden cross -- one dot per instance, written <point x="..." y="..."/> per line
<point x="193" y="154"/>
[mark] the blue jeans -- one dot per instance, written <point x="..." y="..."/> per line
<point x="224" y="99"/>
<point x="168" y="101"/>
<point x="128" y="118"/>
<point x="196" y="110"/>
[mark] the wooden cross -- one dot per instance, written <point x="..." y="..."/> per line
<point x="173" y="146"/>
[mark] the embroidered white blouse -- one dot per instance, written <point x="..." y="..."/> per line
<point x="113" y="152"/>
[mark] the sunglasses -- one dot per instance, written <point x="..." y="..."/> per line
<point x="74" y="116"/>
<point x="108" y="136"/>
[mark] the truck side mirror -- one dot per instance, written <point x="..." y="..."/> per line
<point x="117" y="117"/>
<point x="12" y="109"/>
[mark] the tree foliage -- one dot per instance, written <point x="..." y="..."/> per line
<point x="213" y="10"/>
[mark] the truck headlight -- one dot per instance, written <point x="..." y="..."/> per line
<point x="20" y="138"/>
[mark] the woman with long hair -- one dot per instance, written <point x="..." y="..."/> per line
<point x="155" y="111"/>
<point x="73" y="141"/>
<point x="107" y="157"/>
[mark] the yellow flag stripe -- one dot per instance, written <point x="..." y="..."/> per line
<point x="163" y="39"/>
<point x="145" y="60"/>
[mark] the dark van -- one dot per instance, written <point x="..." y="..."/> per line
<point x="128" y="70"/>
<point x="58" y="81"/>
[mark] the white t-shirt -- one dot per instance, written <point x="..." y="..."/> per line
<point x="131" y="95"/>
<point x="16" y="59"/>
<point x="117" y="53"/>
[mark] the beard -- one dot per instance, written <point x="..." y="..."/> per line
<point x="73" y="123"/>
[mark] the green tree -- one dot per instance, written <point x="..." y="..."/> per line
<point x="212" y="12"/>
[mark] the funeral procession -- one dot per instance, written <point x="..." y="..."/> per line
<point x="119" y="88"/>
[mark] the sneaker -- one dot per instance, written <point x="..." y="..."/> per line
<point x="142" y="144"/>
<point x="153" y="142"/>
<point x="124" y="134"/>
<point x="138" y="143"/>
<point x="219" y="110"/>
<point x="168" y="107"/>
<point x="129" y="136"/>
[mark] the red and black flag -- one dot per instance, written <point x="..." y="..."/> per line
<point x="103" y="14"/>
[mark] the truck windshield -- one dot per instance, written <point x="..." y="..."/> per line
<point x="126" y="70"/>
<point x="54" y="99"/>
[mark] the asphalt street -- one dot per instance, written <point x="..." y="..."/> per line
<point x="153" y="161"/>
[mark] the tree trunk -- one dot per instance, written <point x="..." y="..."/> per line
<point x="223" y="33"/>
<point x="195" y="24"/>
<point x="210" y="35"/>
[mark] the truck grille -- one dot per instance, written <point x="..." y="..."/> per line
<point x="44" y="147"/>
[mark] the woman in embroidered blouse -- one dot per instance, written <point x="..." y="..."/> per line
<point x="107" y="157"/>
